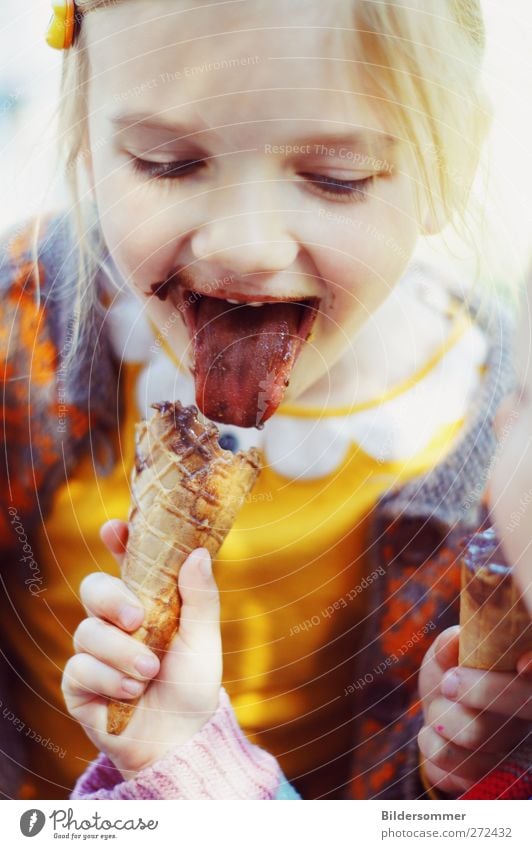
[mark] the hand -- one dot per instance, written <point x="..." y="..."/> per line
<point x="473" y="718"/>
<point x="179" y="695"/>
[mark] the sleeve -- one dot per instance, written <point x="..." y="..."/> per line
<point x="511" y="779"/>
<point x="37" y="262"/>
<point x="27" y="377"/>
<point x="416" y="599"/>
<point x="217" y="763"/>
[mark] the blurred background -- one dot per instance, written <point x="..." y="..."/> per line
<point x="29" y="80"/>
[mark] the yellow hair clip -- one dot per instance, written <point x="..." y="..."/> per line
<point x="61" y="29"/>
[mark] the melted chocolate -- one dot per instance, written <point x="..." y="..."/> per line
<point x="161" y="290"/>
<point x="140" y="463"/>
<point x="163" y="407"/>
<point x="185" y="423"/>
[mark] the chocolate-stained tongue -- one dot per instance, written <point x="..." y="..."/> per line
<point x="244" y="357"/>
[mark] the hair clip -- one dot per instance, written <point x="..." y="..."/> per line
<point x="61" y="30"/>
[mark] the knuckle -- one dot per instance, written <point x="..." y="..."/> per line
<point x="437" y="750"/>
<point x="73" y="674"/>
<point x="444" y="757"/>
<point x="90" y="584"/>
<point x="68" y="674"/>
<point x="80" y="635"/>
<point x="437" y="711"/>
<point x="85" y="634"/>
<point x="212" y="598"/>
<point x="468" y="737"/>
<point x="424" y="739"/>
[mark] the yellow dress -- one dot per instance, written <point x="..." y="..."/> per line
<point x="292" y="576"/>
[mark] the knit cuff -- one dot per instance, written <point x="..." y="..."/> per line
<point x="217" y="763"/>
<point x="512" y="779"/>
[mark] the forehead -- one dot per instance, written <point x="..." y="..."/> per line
<point x="220" y="62"/>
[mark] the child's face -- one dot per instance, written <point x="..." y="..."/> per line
<point x="511" y="482"/>
<point x="292" y="188"/>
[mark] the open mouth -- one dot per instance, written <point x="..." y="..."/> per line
<point x="244" y="351"/>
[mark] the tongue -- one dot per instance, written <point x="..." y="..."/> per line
<point x="243" y="359"/>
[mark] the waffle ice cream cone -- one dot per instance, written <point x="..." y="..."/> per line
<point x="186" y="493"/>
<point x="495" y="627"/>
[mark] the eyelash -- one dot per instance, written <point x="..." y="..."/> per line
<point x="341" y="190"/>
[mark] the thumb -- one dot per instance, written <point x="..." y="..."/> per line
<point x="199" y="621"/>
<point x="441" y="656"/>
<point x="446" y="648"/>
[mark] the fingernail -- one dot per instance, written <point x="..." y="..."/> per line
<point x="134" y="688"/>
<point x="205" y="564"/>
<point x="525" y="664"/>
<point x="449" y="685"/>
<point x="146" y="666"/>
<point x="130" y="615"/>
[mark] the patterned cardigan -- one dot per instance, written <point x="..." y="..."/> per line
<point x="416" y="529"/>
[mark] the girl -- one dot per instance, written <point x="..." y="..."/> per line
<point x="249" y="184"/>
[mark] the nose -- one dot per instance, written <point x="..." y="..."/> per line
<point x="247" y="233"/>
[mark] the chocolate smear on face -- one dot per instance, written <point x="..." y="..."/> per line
<point x="162" y="290"/>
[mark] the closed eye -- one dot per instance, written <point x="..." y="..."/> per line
<point x="167" y="170"/>
<point x="342" y="190"/>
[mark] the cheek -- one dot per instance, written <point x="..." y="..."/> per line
<point x="363" y="261"/>
<point x="140" y="224"/>
<point x="143" y="251"/>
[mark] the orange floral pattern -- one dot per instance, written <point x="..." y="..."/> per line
<point x="30" y="405"/>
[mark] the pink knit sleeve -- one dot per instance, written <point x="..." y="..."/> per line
<point x="217" y="763"/>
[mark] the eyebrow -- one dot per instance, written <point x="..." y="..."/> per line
<point x="132" y="120"/>
<point x="349" y="138"/>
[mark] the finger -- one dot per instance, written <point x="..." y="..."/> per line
<point x="453" y="759"/>
<point x="499" y="692"/>
<point x="524" y="664"/>
<point x="472" y="730"/>
<point x="113" y="647"/>
<point x="114" y="534"/>
<point x="442" y="780"/>
<point x="199" y="623"/>
<point x="85" y="678"/>
<point x="108" y="598"/>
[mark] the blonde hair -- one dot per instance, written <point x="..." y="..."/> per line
<point x="421" y="62"/>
